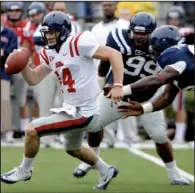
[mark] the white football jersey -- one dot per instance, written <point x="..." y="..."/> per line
<point x="76" y="71"/>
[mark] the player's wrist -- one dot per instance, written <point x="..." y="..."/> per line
<point x="127" y="90"/>
<point x="101" y="81"/>
<point x="119" y="85"/>
<point x="147" y="107"/>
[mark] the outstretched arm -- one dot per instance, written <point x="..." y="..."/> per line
<point x="166" y="98"/>
<point x="161" y="102"/>
<point x="167" y="75"/>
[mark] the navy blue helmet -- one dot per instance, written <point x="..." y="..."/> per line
<point x="59" y="23"/>
<point x="177" y="13"/>
<point x="14" y="6"/>
<point x="162" y="38"/>
<point x="36" y="7"/>
<point x="141" y="23"/>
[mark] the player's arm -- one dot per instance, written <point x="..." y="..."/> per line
<point x="89" y="48"/>
<point x="134" y="108"/>
<point x="36" y="75"/>
<point x="166" y="97"/>
<point x="113" y="57"/>
<point x="104" y="65"/>
<point x="167" y="75"/>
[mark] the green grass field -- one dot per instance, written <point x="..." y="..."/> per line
<point x="53" y="172"/>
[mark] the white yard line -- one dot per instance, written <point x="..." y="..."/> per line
<point x="159" y="162"/>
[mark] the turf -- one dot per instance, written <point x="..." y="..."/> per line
<point x="53" y="173"/>
<point x="184" y="158"/>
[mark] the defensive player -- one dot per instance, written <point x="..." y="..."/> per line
<point x="176" y="17"/>
<point x="71" y="58"/>
<point x="177" y="64"/>
<point x="138" y="63"/>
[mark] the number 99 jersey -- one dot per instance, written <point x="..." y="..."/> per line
<point x="137" y="64"/>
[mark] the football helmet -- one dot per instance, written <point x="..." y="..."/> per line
<point x="162" y="38"/>
<point x="17" y="7"/>
<point x="55" y="29"/>
<point x="142" y="24"/>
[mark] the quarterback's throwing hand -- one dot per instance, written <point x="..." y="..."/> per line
<point x="133" y="108"/>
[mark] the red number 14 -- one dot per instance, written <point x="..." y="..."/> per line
<point x="67" y="80"/>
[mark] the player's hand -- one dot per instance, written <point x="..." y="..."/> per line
<point x="133" y="108"/>
<point x="116" y="94"/>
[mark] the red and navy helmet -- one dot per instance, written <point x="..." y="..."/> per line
<point x="141" y="22"/>
<point x="59" y="22"/>
<point x="162" y="38"/>
<point x="17" y="6"/>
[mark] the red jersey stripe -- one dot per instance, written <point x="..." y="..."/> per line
<point x="76" y="43"/>
<point x="46" y="61"/>
<point x="70" y="47"/>
<point x="44" y="53"/>
<point x="64" y="125"/>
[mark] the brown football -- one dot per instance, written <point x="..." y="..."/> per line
<point x="17" y="61"/>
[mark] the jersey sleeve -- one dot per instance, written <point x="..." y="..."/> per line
<point x="111" y="42"/>
<point x="44" y="60"/>
<point x="174" y="59"/>
<point x="86" y="44"/>
<point x="179" y="66"/>
<point x="117" y="40"/>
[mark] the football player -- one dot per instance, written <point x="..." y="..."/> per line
<point x="176" y="17"/>
<point x="177" y="64"/>
<point x="71" y="58"/>
<point x="138" y="63"/>
<point x="14" y="20"/>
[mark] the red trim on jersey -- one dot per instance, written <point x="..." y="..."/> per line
<point x="70" y="47"/>
<point x="76" y="44"/>
<point x="62" y="126"/>
<point x="44" y="56"/>
<point x="46" y="61"/>
<point x="44" y="53"/>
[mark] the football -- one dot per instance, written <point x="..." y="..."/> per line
<point x="17" y="61"/>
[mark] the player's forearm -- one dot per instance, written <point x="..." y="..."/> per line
<point x="116" y="62"/>
<point x="35" y="76"/>
<point x="30" y="76"/>
<point x="163" y="100"/>
<point x="143" y="85"/>
<point x="166" y="98"/>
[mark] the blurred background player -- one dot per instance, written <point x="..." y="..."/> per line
<point x="36" y="11"/>
<point x="14" y="20"/>
<point x="8" y="43"/>
<point x="176" y="17"/>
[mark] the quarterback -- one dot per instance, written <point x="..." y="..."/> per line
<point x="71" y="58"/>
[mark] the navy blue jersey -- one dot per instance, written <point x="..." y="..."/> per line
<point x="137" y="64"/>
<point x="183" y="60"/>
